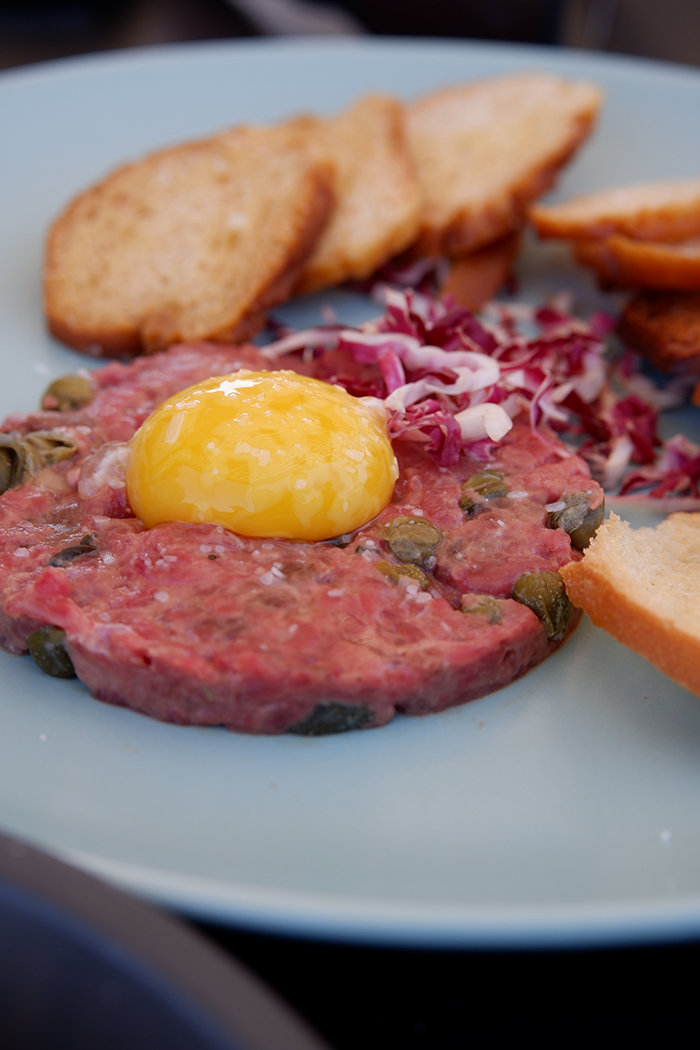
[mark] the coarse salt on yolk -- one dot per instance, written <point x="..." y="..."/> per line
<point x="269" y="454"/>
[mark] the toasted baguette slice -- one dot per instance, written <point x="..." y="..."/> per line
<point x="643" y="587"/>
<point x="650" y="211"/>
<point x="378" y="199"/>
<point x="484" y="151"/>
<point x="627" y="263"/>
<point x="189" y="243"/>
<point x="665" y="328"/>
<point x="476" y="278"/>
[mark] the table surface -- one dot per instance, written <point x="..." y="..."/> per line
<point x="403" y="999"/>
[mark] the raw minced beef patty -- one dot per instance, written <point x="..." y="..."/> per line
<point x="194" y="624"/>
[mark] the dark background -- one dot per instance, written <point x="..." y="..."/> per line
<point x="359" y="996"/>
<point x="32" y="30"/>
<point x="362" y="998"/>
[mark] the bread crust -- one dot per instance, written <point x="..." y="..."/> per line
<point x="378" y="199"/>
<point x="665" y="328"/>
<point x="199" y="240"/>
<point x="651" y="211"/>
<point x="192" y="242"/>
<point x="476" y="278"/>
<point x="615" y="596"/>
<point x="484" y="151"/>
<point x="621" y="261"/>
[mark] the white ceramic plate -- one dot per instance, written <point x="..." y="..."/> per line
<point x="564" y="809"/>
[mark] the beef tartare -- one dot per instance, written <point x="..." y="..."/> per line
<point x="449" y="593"/>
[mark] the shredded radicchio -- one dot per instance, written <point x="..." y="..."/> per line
<point x="449" y="379"/>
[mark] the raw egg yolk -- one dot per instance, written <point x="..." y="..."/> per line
<point x="264" y="454"/>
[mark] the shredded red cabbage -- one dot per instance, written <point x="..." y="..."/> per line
<point x="449" y="379"/>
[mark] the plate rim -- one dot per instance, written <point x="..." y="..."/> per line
<point x="145" y="54"/>
<point x="381" y="921"/>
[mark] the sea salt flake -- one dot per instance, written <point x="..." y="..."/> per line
<point x="272" y="576"/>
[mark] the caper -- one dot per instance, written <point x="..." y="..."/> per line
<point x="10" y="460"/>
<point x="482" y="605"/>
<point x="341" y="541"/>
<point x="8" y="467"/>
<point x="48" y="650"/>
<point x="68" y="392"/>
<point x="43" y="448"/>
<point x="63" y="557"/>
<point x="412" y="540"/>
<point x="333" y="718"/>
<point x="22" y="456"/>
<point x="578" y="518"/>
<point x="487" y="484"/>
<point x="545" y="594"/>
<point x="395" y="572"/>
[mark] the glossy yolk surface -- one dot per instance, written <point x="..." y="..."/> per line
<point x="271" y="454"/>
